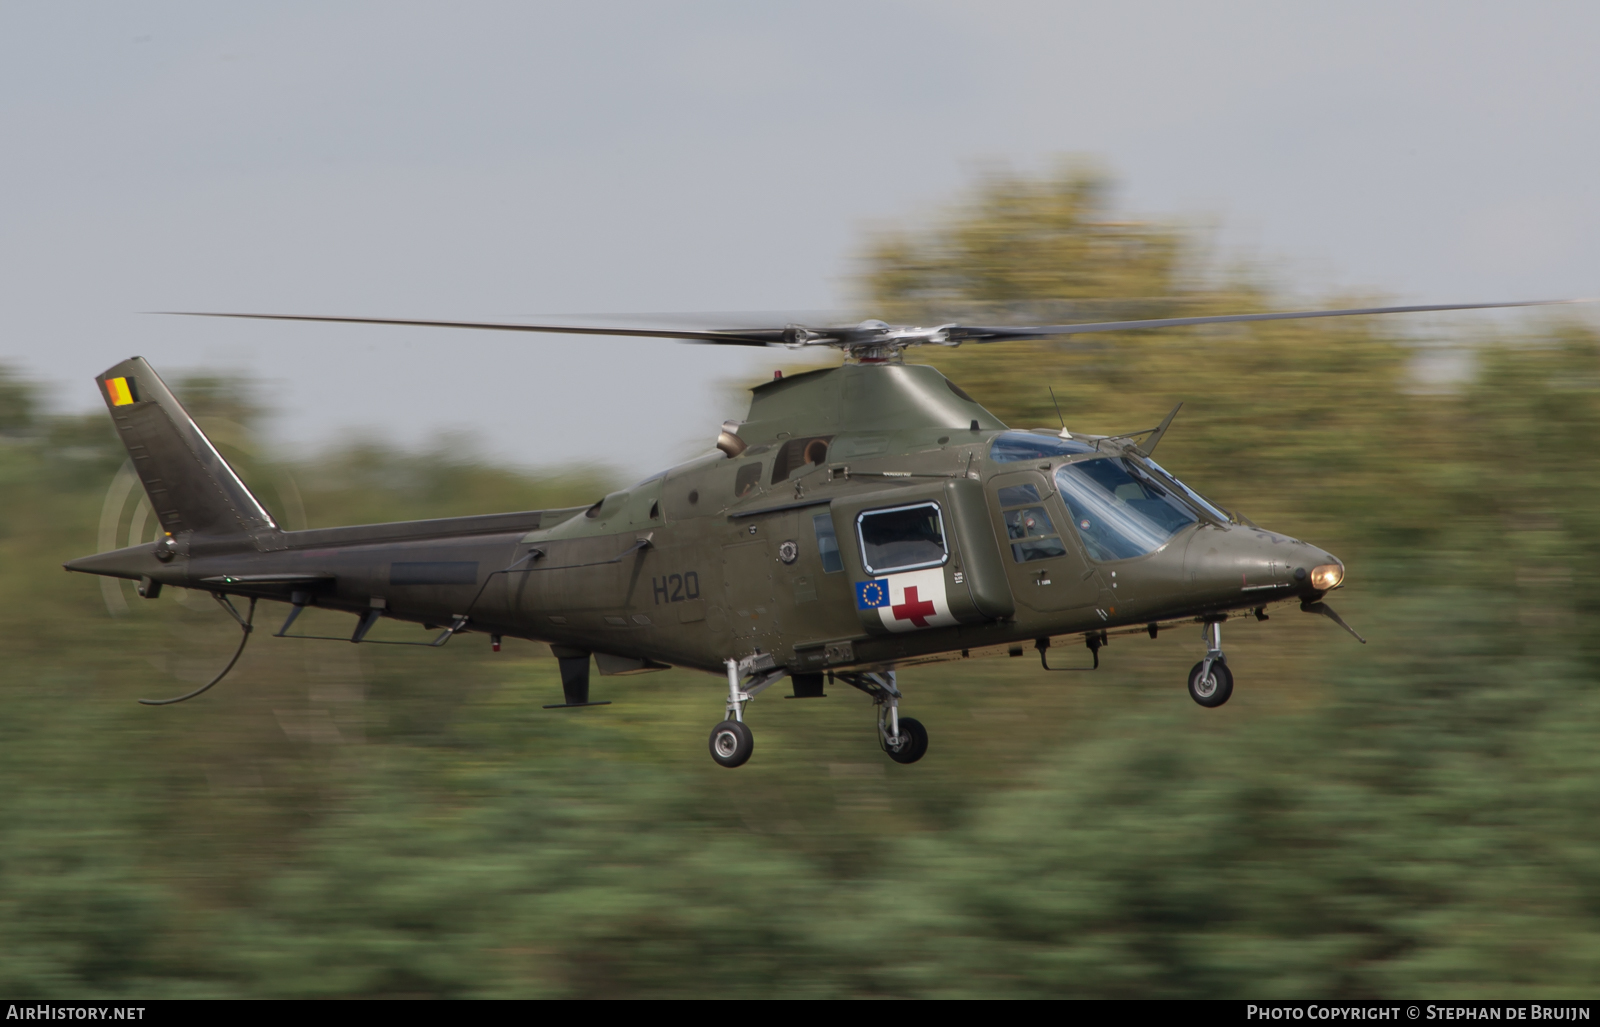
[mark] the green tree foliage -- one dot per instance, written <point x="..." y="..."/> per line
<point x="1029" y="247"/>
<point x="1417" y="816"/>
<point x="17" y="404"/>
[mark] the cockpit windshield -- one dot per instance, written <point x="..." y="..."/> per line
<point x="1120" y="509"/>
<point x="1012" y="446"/>
<point x="1194" y="497"/>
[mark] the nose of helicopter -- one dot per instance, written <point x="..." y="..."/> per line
<point x="1227" y="565"/>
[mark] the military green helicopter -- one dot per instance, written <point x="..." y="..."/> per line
<point x="861" y="519"/>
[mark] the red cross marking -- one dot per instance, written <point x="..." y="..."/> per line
<point x="912" y="610"/>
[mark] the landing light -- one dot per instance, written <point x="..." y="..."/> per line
<point x="1326" y="577"/>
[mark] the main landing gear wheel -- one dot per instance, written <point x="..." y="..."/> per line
<point x="913" y="742"/>
<point x="732" y="743"/>
<point x="1210" y="688"/>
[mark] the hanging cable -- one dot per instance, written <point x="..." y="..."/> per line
<point x="246" y="625"/>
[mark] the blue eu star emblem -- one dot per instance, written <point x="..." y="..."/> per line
<point x="872" y="594"/>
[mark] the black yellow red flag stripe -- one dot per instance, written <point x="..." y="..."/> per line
<point x="122" y="391"/>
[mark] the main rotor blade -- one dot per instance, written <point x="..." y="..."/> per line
<point x="870" y="335"/>
<point x="730" y="337"/>
<point x="977" y="333"/>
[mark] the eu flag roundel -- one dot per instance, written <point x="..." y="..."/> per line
<point x="872" y="594"/>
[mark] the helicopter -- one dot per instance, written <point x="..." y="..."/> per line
<point x="861" y="519"/>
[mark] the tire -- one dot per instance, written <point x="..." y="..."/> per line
<point x="1214" y="691"/>
<point x="914" y="742"/>
<point x="731" y="743"/>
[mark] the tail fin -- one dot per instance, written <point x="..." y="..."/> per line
<point x="191" y="487"/>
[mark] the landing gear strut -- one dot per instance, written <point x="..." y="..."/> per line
<point x="731" y="741"/>
<point x="903" y="738"/>
<point x="1211" y="682"/>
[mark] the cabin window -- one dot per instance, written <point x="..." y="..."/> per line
<point x="746" y="480"/>
<point x="827" y="543"/>
<point x="1119" y="508"/>
<point x="902" y="539"/>
<point x="1032" y="534"/>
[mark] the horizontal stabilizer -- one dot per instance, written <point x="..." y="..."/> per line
<point x="268" y="579"/>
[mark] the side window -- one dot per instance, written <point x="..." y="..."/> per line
<point x="1032" y="534"/>
<point x="1012" y="495"/>
<point x="827" y="543"/>
<point x="902" y="539"/>
<point x="746" y="479"/>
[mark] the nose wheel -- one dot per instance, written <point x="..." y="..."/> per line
<point x="1210" y="680"/>
<point x="1210" y="686"/>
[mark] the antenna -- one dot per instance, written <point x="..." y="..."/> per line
<point x="1064" y="433"/>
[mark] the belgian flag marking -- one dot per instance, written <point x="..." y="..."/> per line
<point x="122" y="391"/>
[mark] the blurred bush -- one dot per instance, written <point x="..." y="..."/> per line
<point x="1415" y="816"/>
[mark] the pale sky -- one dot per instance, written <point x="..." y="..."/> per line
<point x="488" y="161"/>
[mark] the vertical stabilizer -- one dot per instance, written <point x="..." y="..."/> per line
<point x="191" y="487"/>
